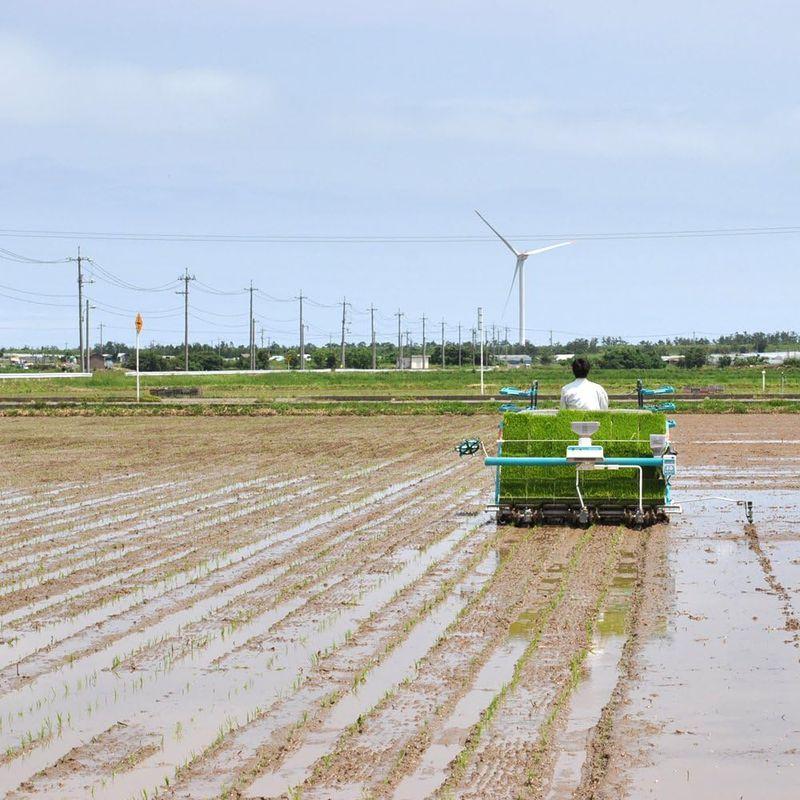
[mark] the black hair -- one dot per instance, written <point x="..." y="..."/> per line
<point x="581" y="367"/>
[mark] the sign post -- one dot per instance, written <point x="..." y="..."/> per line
<point x="139" y="324"/>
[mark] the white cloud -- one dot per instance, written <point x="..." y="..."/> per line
<point x="636" y="132"/>
<point x="41" y="89"/>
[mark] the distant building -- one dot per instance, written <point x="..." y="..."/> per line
<point x="672" y="359"/>
<point x="414" y="362"/>
<point x="772" y="358"/>
<point x="515" y="360"/>
<point x="561" y="357"/>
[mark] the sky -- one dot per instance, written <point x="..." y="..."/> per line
<point x="342" y="149"/>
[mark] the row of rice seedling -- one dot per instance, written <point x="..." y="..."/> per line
<point x="230" y="572"/>
<point x="240" y="661"/>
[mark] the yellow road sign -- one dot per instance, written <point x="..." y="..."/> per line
<point x="139" y="323"/>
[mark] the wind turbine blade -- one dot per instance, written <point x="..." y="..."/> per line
<point x="511" y="288"/>
<point x="498" y="234"/>
<point x="545" y="249"/>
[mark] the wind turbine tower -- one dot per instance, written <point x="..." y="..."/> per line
<point x="519" y="271"/>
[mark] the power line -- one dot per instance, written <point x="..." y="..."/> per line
<point x="204" y="287"/>
<point x="8" y="255"/>
<point x="109" y="277"/>
<point x="35" y="294"/>
<point x="412" y="238"/>
<point x="34" y="302"/>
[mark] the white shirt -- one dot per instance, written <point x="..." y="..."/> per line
<point x="584" y="395"/>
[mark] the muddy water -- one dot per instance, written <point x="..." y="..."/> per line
<point x="715" y="711"/>
<point x="232" y="494"/>
<point x="202" y="700"/>
<point x="399" y="666"/>
<point x="93" y="502"/>
<point x="40" y="697"/>
<point x="25" y="643"/>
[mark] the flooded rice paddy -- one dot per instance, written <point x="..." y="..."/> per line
<point x="322" y="608"/>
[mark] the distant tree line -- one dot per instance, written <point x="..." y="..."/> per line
<point x="608" y="352"/>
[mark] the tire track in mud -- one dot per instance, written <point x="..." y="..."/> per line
<point x="471" y="735"/>
<point x="557" y="765"/>
<point x="503" y="752"/>
<point x="600" y="745"/>
<point x="391" y="738"/>
<point x="206" y="683"/>
<point x="787" y="608"/>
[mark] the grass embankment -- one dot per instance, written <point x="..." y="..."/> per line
<point x="113" y="408"/>
<point x="280" y="384"/>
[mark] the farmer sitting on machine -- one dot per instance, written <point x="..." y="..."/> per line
<point x="582" y="394"/>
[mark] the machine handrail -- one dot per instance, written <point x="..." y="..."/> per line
<point x="547" y="461"/>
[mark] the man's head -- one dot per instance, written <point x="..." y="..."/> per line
<point x="581" y="367"/>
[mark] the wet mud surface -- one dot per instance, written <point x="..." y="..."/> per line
<point x="321" y="608"/>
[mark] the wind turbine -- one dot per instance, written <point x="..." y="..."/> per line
<point x="519" y="270"/>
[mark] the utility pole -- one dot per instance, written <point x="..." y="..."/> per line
<point x="424" y="348"/>
<point x="443" y="364"/>
<point x="82" y="346"/>
<point x="344" y="325"/>
<point x="372" y="333"/>
<point x="80" y="305"/>
<point x="252" y="328"/>
<point x="399" y="316"/>
<point x="506" y="340"/>
<point x="302" y="335"/>
<point x="186" y="277"/>
<point x="408" y="346"/>
<point x="459" y="344"/>
<point x="551" y="338"/>
<point x="101" y="338"/>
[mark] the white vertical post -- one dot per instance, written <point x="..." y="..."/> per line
<point x="480" y="334"/>
<point x="138" y="389"/>
<point x="763" y="381"/>
<point x="138" y="325"/>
